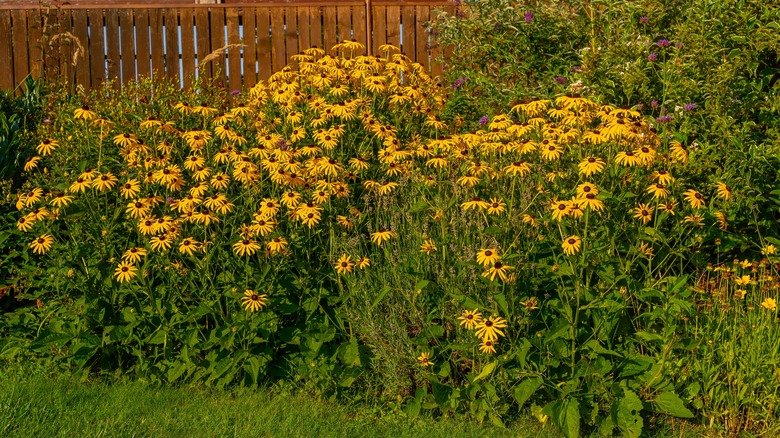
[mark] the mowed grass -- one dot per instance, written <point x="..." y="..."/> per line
<point x="39" y="406"/>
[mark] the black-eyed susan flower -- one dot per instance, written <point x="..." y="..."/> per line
<point x="488" y="346"/>
<point x="130" y="188"/>
<point x="475" y="204"/>
<point x="551" y="151"/>
<point x="428" y="246"/>
<point x="662" y="176"/>
<point x="724" y="192"/>
<point x="61" y="200"/>
<point x="32" y="163"/>
<point x="560" y="209"/>
<point x="590" y="201"/>
<point x="382" y="235"/>
<point x="105" y="182"/>
<point x="125" y="139"/>
<point x="487" y="257"/>
<point x="25" y="224"/>
<point x="627" y="158"/>
<point x="571" y="245"/>
<point x="678" y="151"/>
<point x="80" y="185"/>
<point x="590" y="166"/>
<point x="134" y="255"/>
<point x="424" y="359"/>
<point x="658" y="190"/>
<point x="188" y="246"/>
<point x="496" y="207"/>
<point x="498" y="269"/>
<point x="245" y="247"/>
<point x="344" y="265"/>
<point x="161" y="243"/>
<point x="253" y="301"/>
<point x="490" y="329"/>
<point x="644" y="213"/>
<point x="277" y="245"/>
<point x="694" y="198"/>
<point x="517" y="168"/>
<point x="363" y="262"/>
<point x="470" y="318"/>
<point x="586" y="187"/>
<point x="769" y="304"/>
<point x="84" y="113"/>
<point x="42" y="244"/>
<point x="126" y="271"/>
<point x="769" y="250"/>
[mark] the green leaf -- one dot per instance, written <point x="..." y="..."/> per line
<point x="669" y="403"/>
<point x="412" y="408"/>
<point x="627" y="414"/>
<point x="421" y="285"/>
<point x="526" y="389"/>
<point x="381" y="295"/>
<point x="486" y="370"/>
<point x="350" y="353"/>
<point x="566" y="416"/>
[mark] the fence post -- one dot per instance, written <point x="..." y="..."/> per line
<point x="369" y="28"/>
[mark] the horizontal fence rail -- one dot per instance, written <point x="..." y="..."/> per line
<point x="234" y="44"/>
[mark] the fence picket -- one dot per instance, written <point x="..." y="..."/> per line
<point x="6" y="71"/>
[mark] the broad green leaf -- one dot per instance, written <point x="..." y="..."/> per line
<point x="486" y="370"/>
<point x="381" y="295"/>
<point x="669" y="403"/>
<point x="523" y="391"/>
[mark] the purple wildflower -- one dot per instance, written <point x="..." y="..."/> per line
<point x="663" y="43"/>
<point x="689" y="106"/>
<point x="664" y="119"/>
<point x="484" y="120"/>
<point x="235" y="92"/>
<point x="644" y="19"/>
<point x="560" y="80"/>
<point x="654" y="104"/>
<point x="529" y="17"/>
<point x="576" y="69"/>
<point x="458" y="82"/>
<point x="282" y="144"/>
<point x="679" y="45"/>
<point x="46" y="120"/>
<point x="652" y="57"/>
<point x="168" y="200"/>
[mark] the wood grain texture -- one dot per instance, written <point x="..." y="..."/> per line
<point x="187" y="22"/>
<point x="143" y="55"/>
<point x="35" y="33"/>
<point x="6" y="68"/>
<point x="421" y="56"/>
<point x="329" y="27"/>
<point x="202" y="43"/>
<point x="96" y="48"/>
<point x="234" y="54"/>
<point x="217" y="37"/>
<point x="379" y="24"/>
<point x="277" y="38"/>
<point x="19" y="44"/>
<point x="157" y="38"/>
<point x="263" y="20"/>
<point x="112" y="46"/>
<point x="127" y="44"/>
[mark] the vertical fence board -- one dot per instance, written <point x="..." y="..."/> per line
<point x="263" y="20"/>
<point x="112" y="48"/>
<point x="409" y="27"/>
<point x="217" y="36"/>
<point x="304" y="29"/>
<point x="394" y="26"/>
<point x="250" y="51"/>
<point x="158" y="46"/>
<point x="55" y="67"/>
<point x="127" y="43"/>
<point x="234" y="54"/>
<point x="67" y="46"/>
<point x="19" y="44"/>
<point x="187" y="19"/>
<point x="423" y="15"/>
<point x="92" y="70"/>
<point x="359" y="25"/>
<point x="202" y="41"/>
<point x="142" y="53"/>
<point x="379" y="29"/>
<point x="6" y="68"/>
<point x="315" y="26"/>
<point x="290" y="33"/>
<point x="277" y="38"/>
<point x="34" y="31"/>
<point x="329" y="27"/>
<point x="344" y="28"/>
<point x="171" y="20"/>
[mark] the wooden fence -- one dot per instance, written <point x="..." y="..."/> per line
<point x="89" y="44"/>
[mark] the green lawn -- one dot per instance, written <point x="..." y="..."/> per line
<point x="38" y="406"/>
